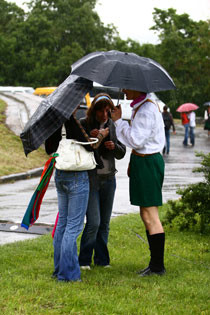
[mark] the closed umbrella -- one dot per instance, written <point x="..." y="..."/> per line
<point x="123" y="70"/>
<point x="187" y="107"/>
<point x="32" y="211"/>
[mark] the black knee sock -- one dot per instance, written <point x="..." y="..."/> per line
<point x="157" y="243"/>
<point x="148" y="238"/>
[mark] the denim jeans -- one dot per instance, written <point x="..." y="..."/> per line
<point x="167" y="143"/>
<point x="73" y="190"/>
<point x="95" y="234"/>
<point x="186" y="126"/>
<point x="192" y="135"/>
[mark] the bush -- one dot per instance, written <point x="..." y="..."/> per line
<point x="192" y="211"/>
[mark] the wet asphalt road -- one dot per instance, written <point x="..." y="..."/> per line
<point x="14" y="197"/>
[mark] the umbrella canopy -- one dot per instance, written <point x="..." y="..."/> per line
<point x="187" y="107"/>
<point x="54" y="111"/>
<point x="206" y="104"/>
<point x="123" y="70"/>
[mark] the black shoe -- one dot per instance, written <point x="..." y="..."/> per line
<point x="54" y="275"/>
<point x="142" y="271"/>
<point x="149" y="272"/>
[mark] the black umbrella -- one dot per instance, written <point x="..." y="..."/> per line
<point x="54" y="111"/>
<point x="123" y="70"/>
<point x="206" y="104"/>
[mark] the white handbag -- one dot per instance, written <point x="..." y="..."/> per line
<point x="72" y="156"/>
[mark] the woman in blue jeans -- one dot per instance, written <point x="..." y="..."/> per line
<point x="102" y="183"/>
<point x="73" y="193"/>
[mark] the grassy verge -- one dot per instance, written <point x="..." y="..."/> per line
<point x="27" y="287"/>
<point x="13" y="159"/>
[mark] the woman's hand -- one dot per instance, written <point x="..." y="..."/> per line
<point x="109" y="145"/>
<point x="104" y="132"/>
<point x="94" y="133"/>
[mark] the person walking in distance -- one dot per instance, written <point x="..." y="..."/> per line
<point x="185" y="123"/>
<point x="168" y="122"/>
<point x="192" y="124"/>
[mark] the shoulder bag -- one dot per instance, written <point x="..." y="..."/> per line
<point x="72" y="156"/>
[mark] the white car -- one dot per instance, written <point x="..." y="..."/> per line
<point x="16" y="89"/>
<point x="119" y="97"/>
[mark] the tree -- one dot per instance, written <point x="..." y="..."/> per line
<point x="184" y="52"/>
<point x="45" y="41"/>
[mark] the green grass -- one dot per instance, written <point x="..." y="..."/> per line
<point x="13" y="159"/>
<point x="27" y="287"/>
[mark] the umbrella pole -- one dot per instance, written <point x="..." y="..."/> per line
<point x="118" y="96"/>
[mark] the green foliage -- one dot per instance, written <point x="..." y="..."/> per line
<point x="38" y="47"/>
<point x="192" y="211"/>
<point x="184" y="52"/>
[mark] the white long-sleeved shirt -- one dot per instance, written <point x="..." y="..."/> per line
<point x="191" y="117"/>
<point x="146" y="133"/>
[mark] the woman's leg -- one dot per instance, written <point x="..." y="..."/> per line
<point x="89" y="234"/>
<point x="76" y="187"/>
<point x="107" y="192"/>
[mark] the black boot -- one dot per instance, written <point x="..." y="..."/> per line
<point x="156" y="265"/>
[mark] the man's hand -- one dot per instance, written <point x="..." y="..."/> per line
<point x="116" y="113"/>
<point x="109" y="145"/>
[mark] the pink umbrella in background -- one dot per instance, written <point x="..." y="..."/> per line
<point x="187" y="107"/>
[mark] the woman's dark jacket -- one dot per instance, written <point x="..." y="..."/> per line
<point x="73" y="131"/>
<point x="110" y="155"/>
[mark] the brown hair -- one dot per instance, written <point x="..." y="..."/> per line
<point x="99" y="104"/>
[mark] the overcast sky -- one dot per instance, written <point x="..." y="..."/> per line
<point x="133" y="18"/>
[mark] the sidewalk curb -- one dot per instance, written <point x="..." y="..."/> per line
<point x="19" y="176"/>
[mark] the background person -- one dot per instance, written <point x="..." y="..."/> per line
<point x="192" y="124"/>
<point x="207" y="120"/>
<point x="168" y="122"/>
<point x="185" y="123"/>
<point x="146" y="137"/>
<point x="102" y="184"/>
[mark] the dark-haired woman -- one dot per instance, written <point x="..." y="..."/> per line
<point x="102" y="183"/>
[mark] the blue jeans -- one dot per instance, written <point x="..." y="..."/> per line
<point x="73" y="190"/>
<point x="96" y="232"/>
<point x="192" y="135"/>
<point x="167" y="144"/>
<point x="186" y="126"/>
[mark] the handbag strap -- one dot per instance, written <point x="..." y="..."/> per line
<point x="96" y="142"/>
<point x="91" y="141"/>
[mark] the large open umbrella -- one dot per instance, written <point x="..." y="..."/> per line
<point x="187" y="107"/>
<point x="54" y="111"/>
<point x="123" y="70"/>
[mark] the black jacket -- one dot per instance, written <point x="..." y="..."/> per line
<point x="119" y="150"/>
